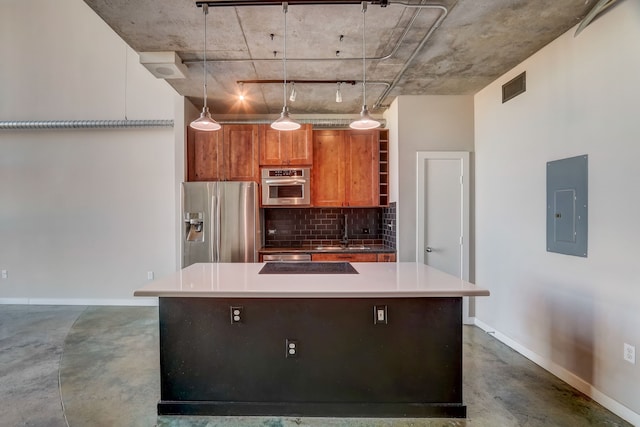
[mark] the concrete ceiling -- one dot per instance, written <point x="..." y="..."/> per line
<point x="409" y="54"/>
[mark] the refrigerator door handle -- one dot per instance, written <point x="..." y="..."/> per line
<point x="215" y="225"/>
<point x="219" y="200"/>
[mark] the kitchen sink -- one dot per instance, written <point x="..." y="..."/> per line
<point x="342" y="248"/>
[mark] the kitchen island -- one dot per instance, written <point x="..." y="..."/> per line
<point x="380" y="340"/>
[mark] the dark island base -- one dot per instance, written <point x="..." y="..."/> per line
<point x="295" y="409"/>
<point x="348" y="362"/>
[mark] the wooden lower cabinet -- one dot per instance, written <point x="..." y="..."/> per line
<point x="386" y="257"/>
<point x="351" y="257"/>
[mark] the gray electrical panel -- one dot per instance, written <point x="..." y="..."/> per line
<point x="567" y="202"/>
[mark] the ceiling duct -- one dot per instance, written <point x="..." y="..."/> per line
<point x="83" y="124"/>
<point x="317" y="123"/>
<point x="163" y="65"/>
<point x="328" y="123"/>
<point x="599" y="7"/>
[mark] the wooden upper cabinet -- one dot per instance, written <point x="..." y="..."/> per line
<point x="346" y="168"/>
<point x="204" y="156"/>
<point x="230" y="154"/>
<point x="288" y="148"/>
<point x="240" y="147"/>
<point x="327" y="176"/>
<point x="362" y="168"/>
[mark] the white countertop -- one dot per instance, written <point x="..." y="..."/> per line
<point x="375" y="280"/>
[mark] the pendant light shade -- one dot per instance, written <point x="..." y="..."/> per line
<point x="365" y="121"/>
<point x="285" y="122"/>
<point x="205" y="122"/>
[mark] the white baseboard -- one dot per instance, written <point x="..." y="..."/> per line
<point x="136" y="302"/>
<point x="565" y="375"/>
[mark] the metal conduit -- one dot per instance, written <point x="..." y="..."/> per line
<point x="415" y="53"/>
<point x="390" y="55"/>
<point x="119" y="124"/>
<point x="84" y="124"/>
<point x="444" y="12"/>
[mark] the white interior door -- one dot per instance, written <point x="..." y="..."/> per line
<point x="443" y="222"/>
<point x="443" y="214"/>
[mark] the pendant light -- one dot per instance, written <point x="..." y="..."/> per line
<point x="205" y="122"/>
<point x="365" y="121"/>
<point x="285" y="122"/>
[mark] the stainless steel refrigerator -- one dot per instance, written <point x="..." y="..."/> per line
<point x="220" y="222"/>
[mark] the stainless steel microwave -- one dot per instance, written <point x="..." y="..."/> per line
<point x="286" y="186"/>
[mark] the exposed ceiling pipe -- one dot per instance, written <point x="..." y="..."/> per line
<point x="329" y="123"/>
<point x="444" y="11"/>
<point x="415" y="53"/>
<point x="83" y="124"/>
<point x="599" y="7"/>
<point x="227" y="3"/>
<point x="120" y="124"/>
<point x="389" y="55"/>
<point x="268" y="81"/>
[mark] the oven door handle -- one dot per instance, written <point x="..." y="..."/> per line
<point x="285" y="181"/>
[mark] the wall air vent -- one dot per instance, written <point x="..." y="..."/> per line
<point x="514" y="87"/>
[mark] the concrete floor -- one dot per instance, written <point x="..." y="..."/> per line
<point x="98" y="366"/>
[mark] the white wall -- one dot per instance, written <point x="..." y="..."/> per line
<point x="422" y="123"/>
<point x="572" y="313"/>
<point x="84" y="214"/>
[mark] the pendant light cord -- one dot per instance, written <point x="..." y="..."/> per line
<point x="205" y="10"/>
<point x="285" y="7"/>
<point x="364" y="67"/>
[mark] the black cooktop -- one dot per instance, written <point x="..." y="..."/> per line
<point x="308" y="268"/>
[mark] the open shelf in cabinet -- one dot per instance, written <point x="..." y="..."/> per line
<point x="383" y="138"/>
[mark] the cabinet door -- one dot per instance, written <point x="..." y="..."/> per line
<point x="301" y="147"/>
<point x="362" y="168"/>
<point x="286" y="148"/>
<point x="350" y="257"/>
<point x="272" y="147"/>
<point x="204" y="156"/>
<point x="328" y="184"/>
<point x="241" y="153"/>
<point x="386" y="257"/>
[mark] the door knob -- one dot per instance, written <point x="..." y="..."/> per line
<point x="428" y="249"/>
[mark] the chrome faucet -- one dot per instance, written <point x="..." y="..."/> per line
<point x="345" y="236"/>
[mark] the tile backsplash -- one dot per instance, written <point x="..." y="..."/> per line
<point x="293" y="227"/>
<point x="389" y="225"/>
